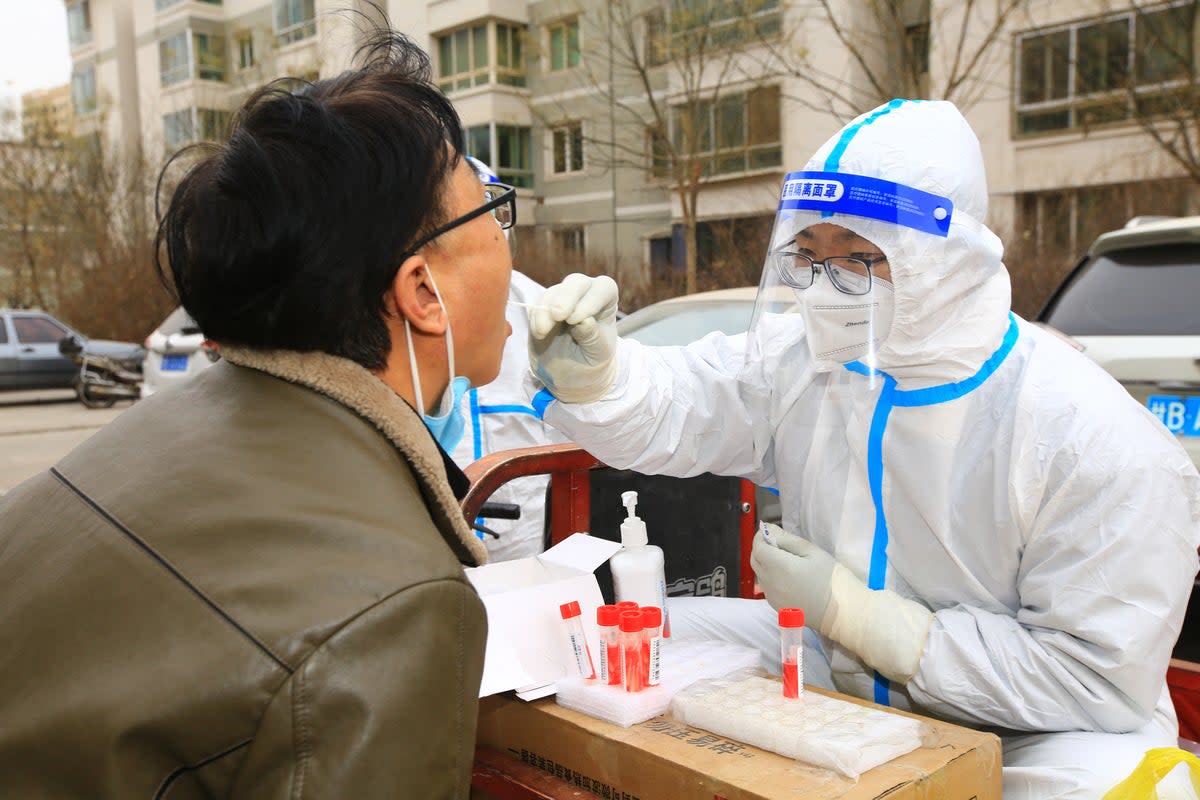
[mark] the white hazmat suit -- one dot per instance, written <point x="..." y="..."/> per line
<point x="977" y="465"/>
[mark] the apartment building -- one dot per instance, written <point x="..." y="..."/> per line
<point x="576" y="102"/>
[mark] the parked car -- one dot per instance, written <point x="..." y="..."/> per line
<point x="30" y="356"/>
<point x="175" y="351"/>
<point x="1131" y="306"/>
<point x="680" y="320"/>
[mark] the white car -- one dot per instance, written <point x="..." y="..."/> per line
<point x="1131" y="306"/>
<point x="681" y="320"/>
<point x="175" y="351"/>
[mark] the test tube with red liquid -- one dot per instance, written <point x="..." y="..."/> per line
<point x="791" y="641"/>
<point x="583" y="656"/>
<point x="631" y="651"/>
<point x="608" y="619"/>
<point x="652" y="618"/>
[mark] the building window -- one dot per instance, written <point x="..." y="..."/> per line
<point x="79" y="22"/>
<point x="506" y="148"/>
<point x="658" y="149"/>
<point x="210" y="56"/>
<point x="245" y="49"/>
<point x="295" y="20"/>
<point x="737" y="133"/>
<point x="564" y="44"/>
<point x="699" y="25"/>
<point x="510" y="60"/>
<point x="173" y="61"/>
<point x="192" y="125"/>
<point x="656" y="48"/>
<point x="83" y="91"/>
<point x="568" y="242"/>
<point x="568" y="148"/>
<point x="1103" y="70"/>
<point x="175" y="57"/>
<point x="464" y="60"/>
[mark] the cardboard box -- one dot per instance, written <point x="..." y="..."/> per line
<point x="666" y="760"/>
<point x="527" y="646"/>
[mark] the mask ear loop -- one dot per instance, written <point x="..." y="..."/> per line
<point x="412" y="356"/>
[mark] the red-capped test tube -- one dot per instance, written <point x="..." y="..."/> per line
<point x="608" y="618"/>
<point x="627" y="605"/>
<point x="583" y="656"/>
<point x="791" y="646"/>
<point x="631" y="651"/>
<point x="651" y="642"/>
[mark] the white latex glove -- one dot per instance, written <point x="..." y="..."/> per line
<point x="886" y="630"/>
<point x="573" y="338"/>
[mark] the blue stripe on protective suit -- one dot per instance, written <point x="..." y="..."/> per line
<point x="889" y="398"/>
<point x="834" y="160"/>
<point x="540" y="401"/>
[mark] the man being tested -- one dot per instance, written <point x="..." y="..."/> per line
<point x="252" y="586"/>
<point x="980" y="523"/>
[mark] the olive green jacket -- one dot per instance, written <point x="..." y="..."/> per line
<point x="246" y="587"/>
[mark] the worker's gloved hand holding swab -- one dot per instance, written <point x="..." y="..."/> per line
<point x="573" y="338"/>
<point x="886" y="630"/>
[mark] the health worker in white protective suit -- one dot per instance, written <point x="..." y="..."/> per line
<point x="498" y="417"/>
<point x="980" y="523"/>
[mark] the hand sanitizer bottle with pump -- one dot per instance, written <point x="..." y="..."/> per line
<point x="637" y="570"/>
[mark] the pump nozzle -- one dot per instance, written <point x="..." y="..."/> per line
<point x="630" y="501"/>
<point x="633" y="530"/>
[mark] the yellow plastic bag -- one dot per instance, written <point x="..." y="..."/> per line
<point x="1141" y="783"/>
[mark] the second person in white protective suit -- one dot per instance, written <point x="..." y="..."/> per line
<point x="981" y="524"/>
<point x="498" y="417"/>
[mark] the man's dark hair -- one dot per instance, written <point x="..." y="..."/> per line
<point x="289" y="234"/>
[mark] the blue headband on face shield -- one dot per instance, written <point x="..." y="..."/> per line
<point x="862" y="196"/>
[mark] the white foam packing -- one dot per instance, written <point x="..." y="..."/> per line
<point x="845" y="737"/>
<point x="683" y="663"/>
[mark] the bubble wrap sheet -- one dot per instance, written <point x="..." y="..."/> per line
<point x="683" y="663"/>
<point x="824" y="731"/>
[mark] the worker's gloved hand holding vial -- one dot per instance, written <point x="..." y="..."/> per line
<point x="885" y="629"/>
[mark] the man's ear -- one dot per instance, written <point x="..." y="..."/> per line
<point x="411" y="294"/>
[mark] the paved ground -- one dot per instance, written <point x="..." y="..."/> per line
<point x="37" y="428"/>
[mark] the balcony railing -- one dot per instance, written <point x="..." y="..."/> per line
<point x="162" y="5"/>
<point x="297" y="32"/>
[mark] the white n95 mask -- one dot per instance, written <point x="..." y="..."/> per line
<point x="843" y="327"/>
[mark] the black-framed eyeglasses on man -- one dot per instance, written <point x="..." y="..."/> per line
<point x="501" y="201"/>
<point x="849" y="275"/>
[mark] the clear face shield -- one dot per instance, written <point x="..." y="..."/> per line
<point x="827" y="277"/>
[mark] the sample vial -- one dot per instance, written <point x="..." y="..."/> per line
<point x="791" y="646"/>
<point x="608" y="619"/>
<point x="628" y="605"/>
<point x="651" y="644"/>
<point x="631" y="651"/>
<point x="583" y="656"/>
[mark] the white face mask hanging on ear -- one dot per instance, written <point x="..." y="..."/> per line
<point x="448" y="425"/>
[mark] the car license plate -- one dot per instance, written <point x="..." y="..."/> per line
<point x="174" y="363"/>
<point x="1180" y="413"/>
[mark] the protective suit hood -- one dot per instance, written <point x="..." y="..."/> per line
<point x="952" y="292"/>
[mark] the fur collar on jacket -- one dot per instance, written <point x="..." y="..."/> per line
<point x="361" y="391"/>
